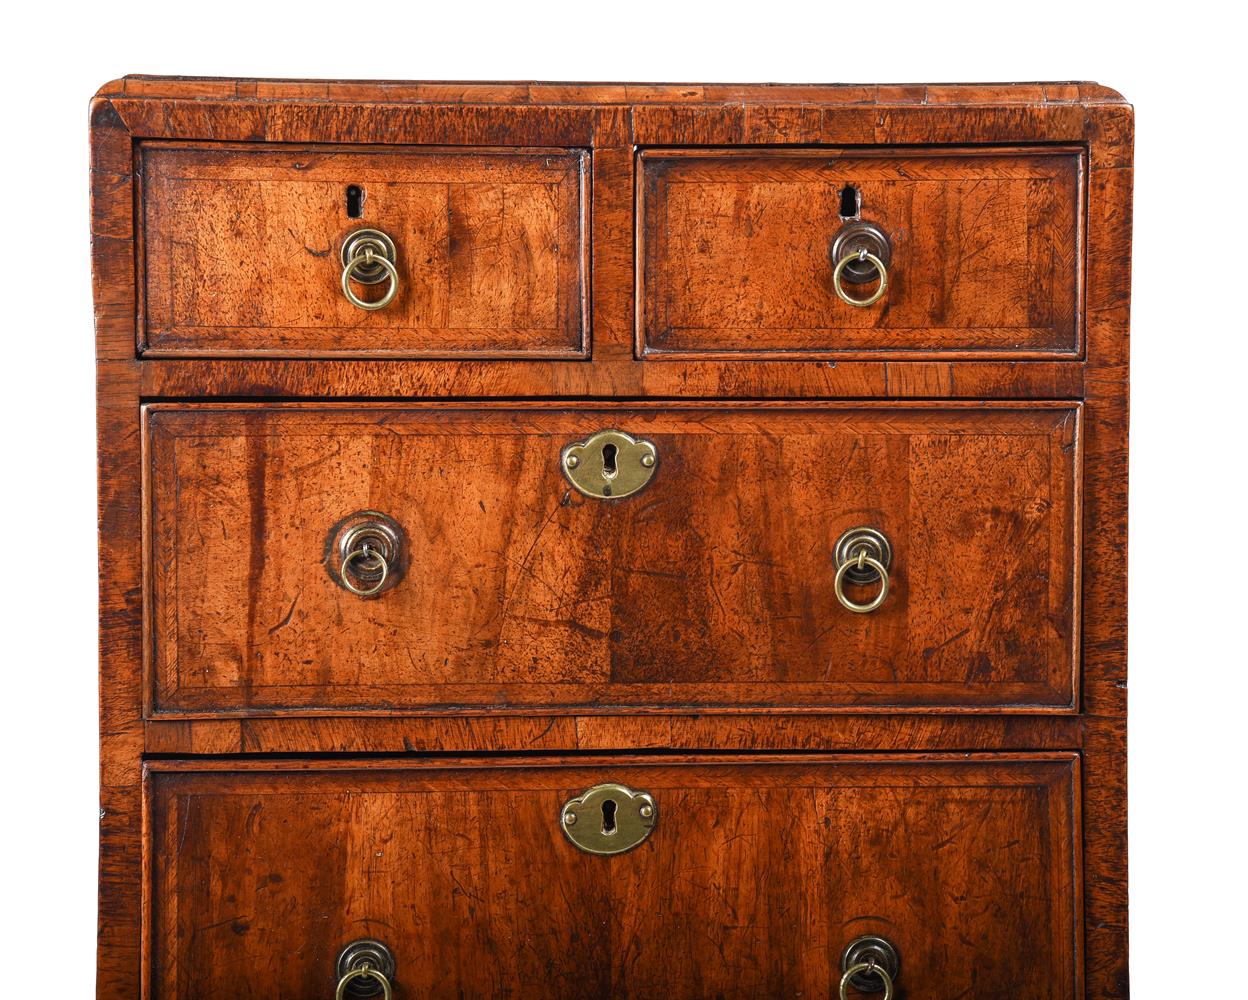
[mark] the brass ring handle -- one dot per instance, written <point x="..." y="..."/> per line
<point x="369" y="258"/>
<point x="365" y="971"/>
<point x="366" y="551"/>
<point x="860" y="561"/>
<point x="860" y="255"/>
<point x="868" y="967"/>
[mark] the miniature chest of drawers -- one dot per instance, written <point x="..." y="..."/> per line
<point x="611" y="540"/>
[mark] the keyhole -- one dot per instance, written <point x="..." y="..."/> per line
<point x="355" y="201"/>
<point x="609" y="451"/>
<point x="851" y="202"/>
<point x="608" y="816"/>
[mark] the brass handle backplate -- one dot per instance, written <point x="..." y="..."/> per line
<point x="365" y="969"/>
<point x="869" y="964"/>
<point x="863" y="556"/>
<point x="861" y="253"/>
<point x="368" y="258"/>
<point x="610" y="465"/>
<point x="364" y="553"/>
<point x="609" y="819"/>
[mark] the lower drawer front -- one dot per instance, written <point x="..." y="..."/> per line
<point x="754" y="877"/>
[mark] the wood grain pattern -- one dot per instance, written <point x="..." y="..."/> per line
<point x="739" y="731"/>
<point x="714" y="587"/>
<point x="609" y="122"/>
<point x="967" y="865"/>
<point x="242" y="248"/>
<point x="735" y="252"/>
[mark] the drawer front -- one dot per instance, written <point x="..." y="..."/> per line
<point x="754" y="877"/>
<point x="715" y="586"/>
<point x="243" y="251"/>
<point x="984" y="259"/>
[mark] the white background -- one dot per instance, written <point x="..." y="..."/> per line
<point x="1178" y="63"/>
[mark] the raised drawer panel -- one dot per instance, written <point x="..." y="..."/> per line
<point x="736" y="252"/>
<point x="713" y="587"/>
<point x="755" y="876"/>
<point x="242" y="251"/>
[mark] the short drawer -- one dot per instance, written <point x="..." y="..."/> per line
<point x="747" y="878"/>
<point x="494" y="581"/>
<point x="244" y="249"/>
<point x="739" y="252"/>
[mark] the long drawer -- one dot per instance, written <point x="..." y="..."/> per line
<point x="747" y="877"/>
<point x="592" y="556"/>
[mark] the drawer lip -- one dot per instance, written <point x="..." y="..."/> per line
<point x="1060" y="771"/>
<point x="646" y="351"/>
<point x="576" y="350"/>
<point x="1036" y="698"/>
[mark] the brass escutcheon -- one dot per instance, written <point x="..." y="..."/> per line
<point x="610" y="465"/>
<point x="608" y="819"/>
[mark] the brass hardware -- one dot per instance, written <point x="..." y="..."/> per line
<point x="610" y="465"/>
<point x="365" y="968"/>
<point x="608" y="819"/>
<point x="869" y="964"/>
<point x="364" y="553"/>
<point x="862" y="556"/>
<point x="862" y="252"/>
<point x="368" y="257"/>
<point x="875" y="296"/>
<point x="364" y="972"/>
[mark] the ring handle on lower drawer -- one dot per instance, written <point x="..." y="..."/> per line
<point x="869" y="964"/>
<point x="365" y="968"/>
<point x="364" y="553"/>
<point x="863" y="556"/>
<point x="363" y="972"/>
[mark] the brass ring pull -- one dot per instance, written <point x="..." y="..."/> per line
<point x="365" y="971"/>
<point x="862" y="561"/>
<point x="867" y="968"/>
<point x="370" y="259"/>
<point x="365" y="551"/>
<point x="861" y="255"/>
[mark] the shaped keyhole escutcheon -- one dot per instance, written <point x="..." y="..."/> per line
<point x="609" y="819"/>
<point x="610" y="465"/>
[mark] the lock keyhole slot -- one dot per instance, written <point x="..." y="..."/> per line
<point x="608" y="816"/>
<point x="355" y="201"/>
<point x="609" y="452"/>
<point x="851" y="202"/>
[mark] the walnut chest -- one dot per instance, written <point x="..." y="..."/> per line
<point x="612" y="540"/>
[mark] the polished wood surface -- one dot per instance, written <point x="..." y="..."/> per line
<point x="757" y="875"/>
<point x="736" y="246"/>
<point x="242" y="250"/>
<point x="712" y="587"/>
<point x="612" y="123"/>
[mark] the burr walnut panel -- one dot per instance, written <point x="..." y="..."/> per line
<point x="242" y="250"/>
<point x="756" y="876"/>
<point x="713" y="587"/>
<point x="986" y="252"/>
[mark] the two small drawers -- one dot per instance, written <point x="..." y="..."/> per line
<point x="627" y="651"/>
<point x="735" y="251"/>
